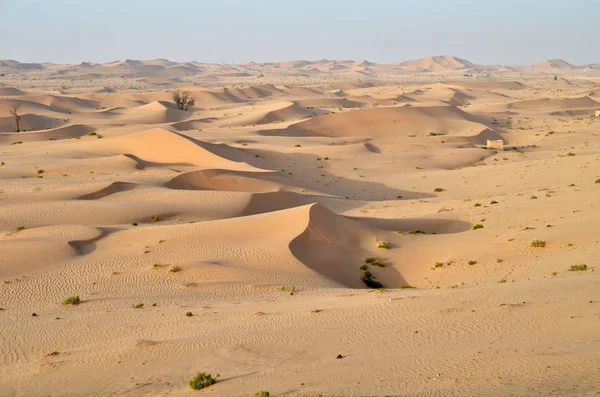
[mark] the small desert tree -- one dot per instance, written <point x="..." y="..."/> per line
<point x="183" y="99"/>
<point x="14" y="111"/>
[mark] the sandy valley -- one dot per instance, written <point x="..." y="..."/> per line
<point x="247" y="236"/>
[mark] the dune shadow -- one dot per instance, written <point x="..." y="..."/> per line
<point x="426" y="225"/>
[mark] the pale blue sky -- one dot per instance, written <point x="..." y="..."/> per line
<point x="483" y="31"/>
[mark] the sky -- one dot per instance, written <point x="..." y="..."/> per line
<point x="510" y="32"/>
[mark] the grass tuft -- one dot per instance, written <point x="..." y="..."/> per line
<point x="477" y="226"/>
<point x="175" y="269"/>
<point x="71" y="300"/>
<point x="538" y="243"/>
<point x="578" y="268"/>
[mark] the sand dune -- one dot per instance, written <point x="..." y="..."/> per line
<point x="242" y="246"/>
<point x="225" y="180"/>
<point x="386" y="123"/>
<point x="10" y="91"/>
<point x="437" y="64"/>
<point x="30" y="122"/>
<point x="150" y="146"/>
<point x="549" y="104"/>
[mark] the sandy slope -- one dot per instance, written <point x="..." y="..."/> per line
<point x="288" y="182"/>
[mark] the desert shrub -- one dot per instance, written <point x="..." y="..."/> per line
<point x="438" y="264"/>
<point x="20" y="227"/>
<point x="92" y="133"/>
<point x="175" y="269"/>
<point x="154" y="218"/>
<point x="472" y="262"/>
<point x="202" y="380"/>
<point x="416" y="232"/>
<point x="538" y="243"/>
<point x="134" y="223"/>
<point x="40" y="171"/>
<point x="578" y="268"/>
<point x="363" y="267"/>
<point x="378" y="263"/>
<point x="370" y="281"/>
<point x="438" y="190"/>
<point x="493" y="202"/>
<point x="477" y="226"/>
<point x="404" y="286"/>
<point x="477" y="205"/>
<point x="534" y="197"/>
<point x="384" y="245"/>
<point x="597" y="181"/>
<point x="189" y="314"/>
<point x="71" y="300"/>
<point x="369" y="259"/>
<point x="262" y="394"/>
<point x="138" y="305"/>
<point x="182" y="99"/>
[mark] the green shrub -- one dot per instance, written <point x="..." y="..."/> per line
<point x="20" y="227"/>
<point x="438" y="190"/>
<point x="416" y="232"/>
<point x="189" y="314"/>
<point x="477" y="205"/>
<point x="534" y="197"/>
<point x="493" y="202"/>
<point x="384" y="245"/>
<point x="363" y="267"/>
<point x="154" y="218"/>
<point x="369" y="259"/>
<point x="71" y="300"/>
<point x="472" y="262"/>
<point x="175" y="269"/>
<point x="138" y="305"/>
<point x="378" y="263"/>
<point x="262" y="394"/>
<point x="370" y="281"/>
<point x="578" y="268"/>
<point x="538" y="243"/>
<point x="92" y="133"/>
<point x="40" y="171"/>
<point x="202" y="380"/>
<point x="597" y="181"/>
<point x="134" y="224"/>
<point x="438" y="264"/>
<point x="404" y="286"/>
<point x="477" y="226"/>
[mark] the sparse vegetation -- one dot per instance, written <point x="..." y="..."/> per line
<point x="134" y="223"/>
<point x="384" y="245"/>
<point x="405" y="286"/>
<point x="175" y="269"/>
<point x="262" y="394"/>
<point x="20" y="228"/>
<point x="183" y="99"/>
<point x="40" y="171"/>
<point x="363" y="267"/>
<point x="493" y="202"/>
<point x="14" y="111"/>
<point x="438" y="190"/>
<point x="477" y="205"/>
<point x="202" y="380"/>
<point x="17" y="143"/>
<point x="471" y="263"/>
<point x="477" y="226"/>
<point x="370" y="281"/>
<point x="71" y="300"/>
<point x="189" y="314"/>
<point x="538" y="243"/>
<point x="154" y="218"/>
<point x="369" y="259"/>
<point x="438" y="264"/>
<point x="92" y="133"/>
<point x="579" y="268"/>
<point x="138" y="305"/>
<point x="534" y="197"/>
<point x="597" y="180"/>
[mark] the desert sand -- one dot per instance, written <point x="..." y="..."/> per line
<point x="256" y="210"/>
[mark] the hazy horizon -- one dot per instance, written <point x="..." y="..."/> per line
<point x="512" y="32"/>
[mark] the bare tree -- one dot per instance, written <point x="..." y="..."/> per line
<point x="183" y="99"/>
<point x="14" y="111"/>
